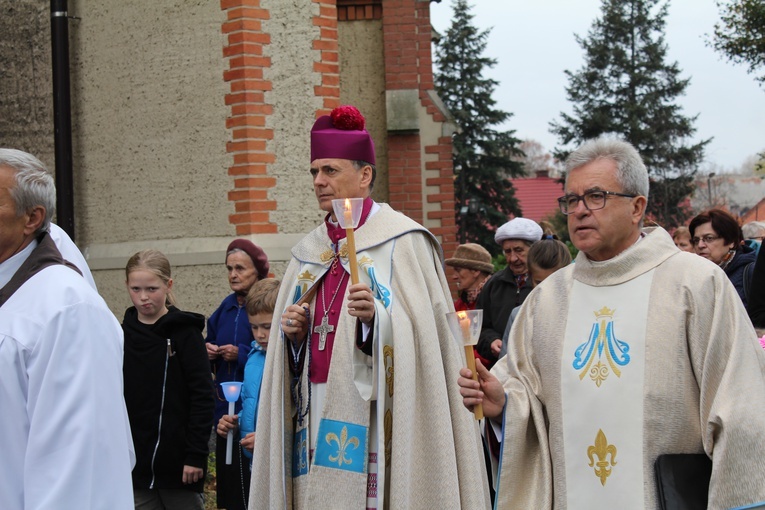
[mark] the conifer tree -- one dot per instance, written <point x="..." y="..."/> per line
<point x="482" y="153"/>
<point x="740" y="34"/>
<point x="627" y="89"/>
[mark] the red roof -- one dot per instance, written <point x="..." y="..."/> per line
<point x="756" y="213"/>
<point x="537" y="196"/>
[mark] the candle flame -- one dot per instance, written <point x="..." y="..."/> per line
<point x="347" y="204"/>
<point x="462" y="315"/>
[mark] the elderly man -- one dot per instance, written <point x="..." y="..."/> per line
<point x="472" y="267"/>
<point x="64" y="433"/>
<point x="507" y="288"/>
<point x="636" y="350"/>
<point x="357" y="408"/>
<point x="754" y="233"/>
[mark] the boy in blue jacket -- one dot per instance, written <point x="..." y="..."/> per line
<point x="260" y="303"/>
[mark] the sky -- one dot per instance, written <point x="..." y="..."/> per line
<point x="533" y="43"/>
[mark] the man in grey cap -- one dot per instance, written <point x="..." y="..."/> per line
<point x="472" y="267"/>
<point x="509" y="287"/>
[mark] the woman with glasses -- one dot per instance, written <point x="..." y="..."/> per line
<point x="716" y="235"/>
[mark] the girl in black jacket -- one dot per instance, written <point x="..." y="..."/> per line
<point x="168" y="389"/>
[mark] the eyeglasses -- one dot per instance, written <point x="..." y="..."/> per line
<point x="708" y="239"/>
<point x="593" y="200"/>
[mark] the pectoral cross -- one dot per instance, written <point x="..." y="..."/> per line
<point x="322" y="329"/>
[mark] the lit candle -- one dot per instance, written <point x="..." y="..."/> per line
<point x="464" y="327"/>
<point x="469" y="356"/>
<point x="231" y="391"/>
<point x="351" y="242"/>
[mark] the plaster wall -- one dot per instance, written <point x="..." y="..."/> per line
<point x="26" y="83"/>
<point x="362" y="84"/>
<point x="150" y="131"/>
<point x="292" y="96"/>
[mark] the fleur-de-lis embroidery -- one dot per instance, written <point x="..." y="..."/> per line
<point x="602" y="450"/>
<point x="343" y="442"/>
<point x="388" y="358"/>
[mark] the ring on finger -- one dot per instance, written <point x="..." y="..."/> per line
<point x="289" y="322"/>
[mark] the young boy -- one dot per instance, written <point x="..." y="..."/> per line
<point x="260" y="303"/>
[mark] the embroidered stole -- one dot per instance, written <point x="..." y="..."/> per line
<point x="602" y="386"/>
<point x="355" y="418"/>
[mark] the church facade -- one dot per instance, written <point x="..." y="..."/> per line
<point x="191" y="123"/>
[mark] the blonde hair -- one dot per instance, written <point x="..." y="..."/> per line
<point x="155" y="262"/>
<point x="681" y="232"/>
<point x="262" y="296"/>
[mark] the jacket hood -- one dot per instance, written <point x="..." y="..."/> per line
<point x="173" y="320"/>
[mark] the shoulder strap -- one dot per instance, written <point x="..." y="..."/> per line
<point x="45" y="254"/>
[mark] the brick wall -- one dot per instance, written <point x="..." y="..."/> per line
<point x="246" y="51"/>
<point x="326" y="64"/>
<point x="408" y="64"/>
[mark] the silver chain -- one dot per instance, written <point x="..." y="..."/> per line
<point x="337" y="291"/>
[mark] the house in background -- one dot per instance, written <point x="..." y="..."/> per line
<point x="756" y="213"/>
<point x="741" y="195"/>
<point x="537" y="196"/>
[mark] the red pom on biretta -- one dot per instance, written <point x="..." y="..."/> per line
<point x="347" y="117"/>
<point x="341" y="135"/>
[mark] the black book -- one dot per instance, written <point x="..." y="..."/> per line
<point x="683" y="481"/>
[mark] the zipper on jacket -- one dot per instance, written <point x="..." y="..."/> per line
<point x="161" y="411"/>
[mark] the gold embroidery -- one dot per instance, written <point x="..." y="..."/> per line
<point x="388" y="357"/>
<point x="305" y="280"/>
<point x="602" y="449"/>
<point x="388" y="426"/>
<point x="605" y="312"/>
<point x="599" y="373"/>
<point x="343" y="442"/>
<point x="604" y="344"/>
<point x="306" y="276"/>
<point x="329" y="254"/>
<point x="366" y="261"/>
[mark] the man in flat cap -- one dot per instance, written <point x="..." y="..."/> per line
<point x="357" y="406"/>
<point x="509" y="287"/>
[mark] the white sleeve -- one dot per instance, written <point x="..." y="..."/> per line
<point x="79" y="448"/>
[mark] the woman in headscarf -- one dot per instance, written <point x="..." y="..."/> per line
<point x="229" y="340"/>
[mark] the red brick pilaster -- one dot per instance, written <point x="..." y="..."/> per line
<point x="245" y="51"/>
<point x="408" y="65"/>
<point x="400" y="30"/>
<point x="326" y="63"/>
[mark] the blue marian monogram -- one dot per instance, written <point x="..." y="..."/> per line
<point x="602" y="348"/>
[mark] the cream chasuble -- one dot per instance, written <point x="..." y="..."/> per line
<point x="611" y="364"/>
<point x="403" y="398"/>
